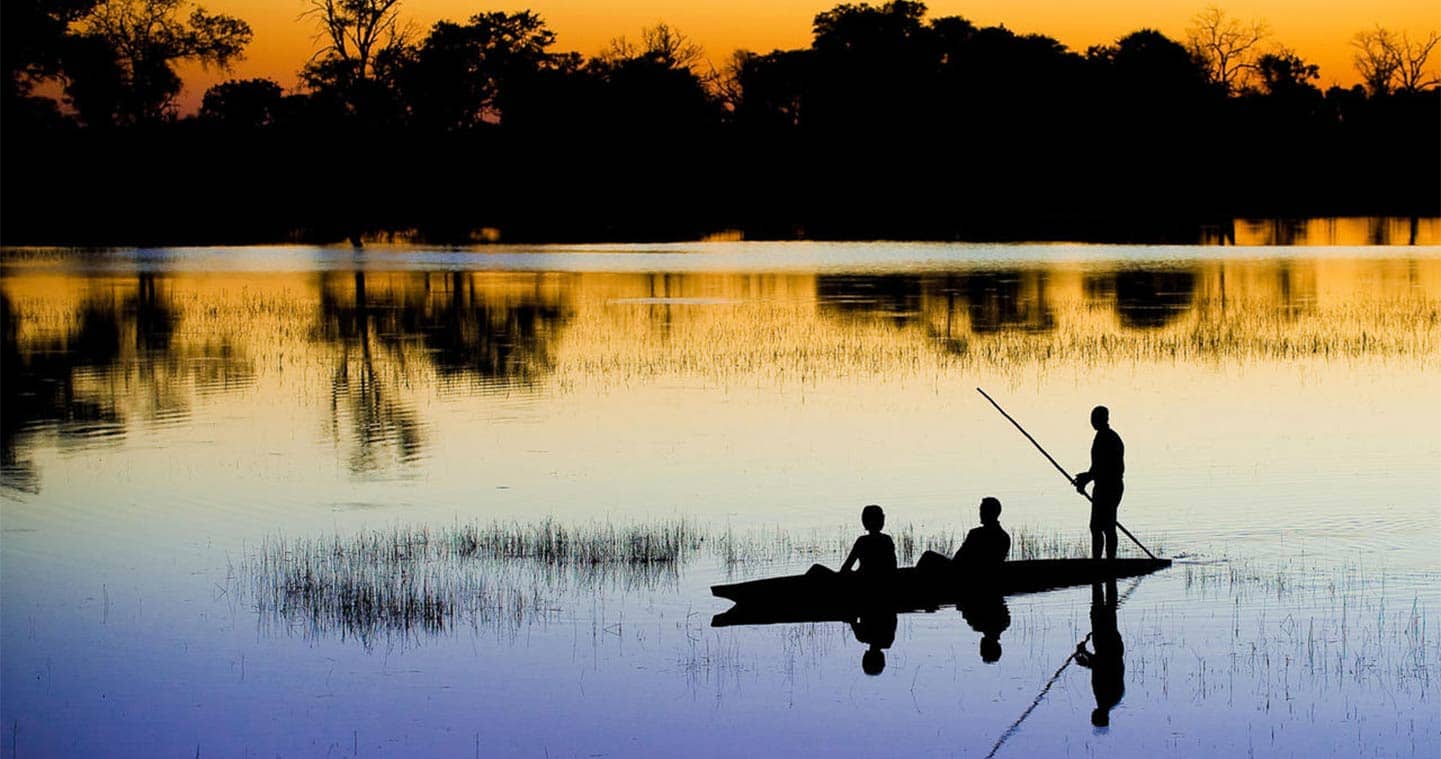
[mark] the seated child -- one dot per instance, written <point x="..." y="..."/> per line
<point x="875" y="551"/>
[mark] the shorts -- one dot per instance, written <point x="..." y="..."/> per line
<point x="1104" y="502"/>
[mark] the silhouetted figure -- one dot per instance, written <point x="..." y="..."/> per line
<point x="1107" y="467"/>
<point x="988" y="544"/>
<point x="984" y="546"/>
<point x="878" y="631"/>
<point x="874" y="551"/>
<point x="987" y="614"/>
<point x="1107" y="662"/>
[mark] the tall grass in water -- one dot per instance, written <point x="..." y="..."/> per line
<point x="549" y="542"/>
<point x="411" y="580"/>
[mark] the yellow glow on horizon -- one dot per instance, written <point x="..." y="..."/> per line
<point x="284" y="41"/>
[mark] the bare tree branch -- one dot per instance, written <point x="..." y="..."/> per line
<point x="1227" y="46"/>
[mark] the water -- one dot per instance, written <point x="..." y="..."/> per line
<point x="171" y="418"/>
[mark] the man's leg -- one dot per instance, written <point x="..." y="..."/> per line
<point x="1111" y="540"/>
<point x="1098" y="542"/>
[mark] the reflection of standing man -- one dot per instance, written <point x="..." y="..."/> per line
<point x="1107" y="663"/>
<point x="1107" y="466"/>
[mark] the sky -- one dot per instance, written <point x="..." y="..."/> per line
<point x="1320" y="33"/>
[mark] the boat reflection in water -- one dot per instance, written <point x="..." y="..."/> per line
<point x="871" y="608"/>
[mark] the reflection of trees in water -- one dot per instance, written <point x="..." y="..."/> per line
<point x="1008" y="300"/>
<point x="359" y="394"/>
<point x="1371" y="230"/>
<point x="1142" y="298"/>
<point x="84" y="378"/>
<point x="386" y="327"/>
<point x="1220" y="309"/>
<point x="893" y="297"/>
<point x="471" y="336"/>
<point x="1149" y="299"/>
<point x="38" y="391"/>
<point x="993" y="300"/>
<point x="952" y="307"/>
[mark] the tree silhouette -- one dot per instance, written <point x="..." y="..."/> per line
<point x="653" y="87"/>
<point x="1387" y="60"/>
<point x="243" y="103"/>
<point x="1375" y="59"/>
<point x="872" y="65"/>
<point x="1284" y="74"/>
<point x="886" y="125"/>
<point x="360" y="41"/>
<point x="461" y="75"/>
<point x="33" y="41"/>
<point x="1227" y="46"/>
<point x="146" y="39"/>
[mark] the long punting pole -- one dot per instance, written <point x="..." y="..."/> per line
<point x="1058" y="467"/>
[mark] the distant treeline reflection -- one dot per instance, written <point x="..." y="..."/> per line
<point x="890" y="125"/>
<point x="87" y="361"/>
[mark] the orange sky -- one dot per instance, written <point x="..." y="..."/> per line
<point x="1319" y="33"/>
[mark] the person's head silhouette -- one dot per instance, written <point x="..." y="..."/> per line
<point x="1100" y="417"/>
<point x="873" y="661"/>
<point x="1101" y="717"/>
<point x="873" y="518"/>
<point x="990" y="510"/>
<point x="990" y="649"/>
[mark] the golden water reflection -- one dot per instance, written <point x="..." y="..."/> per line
<point x="91" y="359"/>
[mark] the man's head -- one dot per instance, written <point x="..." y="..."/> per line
<point x="990" y="649"/>
<point x="1100" y="417"/>
<point x="873" y="661"/>
<point x="1100" y="717"/>
<point x="873" y="518"/>
<point x="990" y="510"/>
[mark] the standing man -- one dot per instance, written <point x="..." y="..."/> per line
<point x="1107" y="466"/>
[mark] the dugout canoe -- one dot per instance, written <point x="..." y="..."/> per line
<point x="830" y="596"/>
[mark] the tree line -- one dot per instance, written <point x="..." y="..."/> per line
<point x="890" y="124"/>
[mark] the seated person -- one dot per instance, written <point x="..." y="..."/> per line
<point x="984" y="545"/>
<point x="988" y="544"/>
<point x="874" y="551"/>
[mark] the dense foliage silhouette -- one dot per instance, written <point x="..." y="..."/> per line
<point x="890" y="125"/>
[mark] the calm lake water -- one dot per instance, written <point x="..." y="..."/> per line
<point x="256" y="502"/>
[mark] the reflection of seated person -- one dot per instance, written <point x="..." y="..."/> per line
<point x="874" y="551"/>
<point x="1107" y="663"/>
<point x="984" y="546"/>
<point x="878" y="631"/>
<point x="987" y="614"/>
